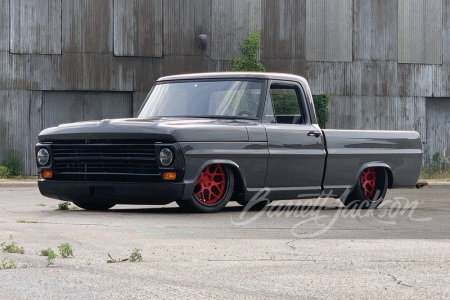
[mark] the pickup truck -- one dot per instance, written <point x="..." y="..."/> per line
<point x="205" y="139"/>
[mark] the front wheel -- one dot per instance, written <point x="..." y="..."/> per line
<point x="370" y="189"/>
<point x="212" y="191"/>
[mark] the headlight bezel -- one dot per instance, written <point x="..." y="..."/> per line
<point x="166" y="156"/>
<point x="47" y="156"/>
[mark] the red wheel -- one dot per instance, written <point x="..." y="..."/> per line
<point x="368" y="179"/>
<point x="211" y="185"/>
<point x="369" y="190"/>
<point x="212" y="190"/>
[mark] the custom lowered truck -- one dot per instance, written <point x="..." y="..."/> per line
<point x="205" y="139"/>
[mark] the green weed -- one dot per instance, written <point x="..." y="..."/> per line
<point x="11" y="246"/>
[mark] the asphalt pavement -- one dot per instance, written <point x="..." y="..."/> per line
<point x="297" y="249"/>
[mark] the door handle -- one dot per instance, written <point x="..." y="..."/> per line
<point x="314" y="133"/>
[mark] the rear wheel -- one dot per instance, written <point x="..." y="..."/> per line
<point x="370" y="189"/>
<point x="212" y="190"/>
<point x="94" y="206"/>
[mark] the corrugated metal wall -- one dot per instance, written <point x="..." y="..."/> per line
<point x="378" y="59"/>
<point x="420" y="31"/>
<point x="438" y="126"/>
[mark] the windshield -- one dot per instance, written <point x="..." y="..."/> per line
<point x="228" y="98"/>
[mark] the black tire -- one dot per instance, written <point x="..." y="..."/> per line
<point x="370" y="189"/>
<point x="94" y="206"/>
<point x="212" y="191"/>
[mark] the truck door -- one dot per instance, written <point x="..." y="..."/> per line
<point x="296" y="147"/>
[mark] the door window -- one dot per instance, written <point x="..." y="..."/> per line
<point x="284" y="105"/>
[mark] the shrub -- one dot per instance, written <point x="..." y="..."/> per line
<point x="13" y="162"/>
<point x="65" y="250"/>
<point x="135" y="255"/>
<point x="50" y="255"/>
<point x="11" y="247"/>
<point x="321" y="107"/>
<point x="5" y="172"/>
<point x="249" y="50"/>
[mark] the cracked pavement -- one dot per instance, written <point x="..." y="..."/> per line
<point x="296" y="249"/>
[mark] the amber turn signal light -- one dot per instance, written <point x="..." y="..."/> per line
<point x="47" y="174"/>
<point x="170" y="175"/>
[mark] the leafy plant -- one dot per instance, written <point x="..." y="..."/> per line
<point x="51" y="255"/>
<point x="65" y="250"/>
<point x="7" y="264"/>
<point x="249" y="50"/>
<point x="63" y="205"/>
<point x="136" y="255"/>
<point x="11" y="247"/>
<point x="5" y="172"/>
<point x="13" y="162"/>
<point x="321" y="107"/>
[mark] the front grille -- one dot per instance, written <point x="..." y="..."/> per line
<point x="106" y="160"/>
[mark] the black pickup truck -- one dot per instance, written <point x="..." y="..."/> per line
<point x="205" y="139"/>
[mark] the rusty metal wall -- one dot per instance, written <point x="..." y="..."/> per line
<point x="420" y="31"/>
<point x="329" y="30"/>
<point x="233" y="20"/>
<point x="138" y="28"/>
<point x="348" y="49"/>
<point x="89" y="29"/>
<point x="35" y="26"/>
<point x="438" y="127"/>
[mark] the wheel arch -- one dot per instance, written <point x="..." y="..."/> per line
<point x="239" y="180"/>
<point x="381" y="165"/>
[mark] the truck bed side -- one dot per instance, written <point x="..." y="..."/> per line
<point x="351" y="151"/>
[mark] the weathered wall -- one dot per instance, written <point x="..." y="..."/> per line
<point x="383" y="62"/>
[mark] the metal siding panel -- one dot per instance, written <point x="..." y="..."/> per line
<point x="184" y="21"/>
<point x="87" y="26"/>
<point x="138" y="100"/>
<point x="35" y="26"/>
<point x="384" y="24"/>
<point x="294" y="66"/>
<point x="446" y="30"/>
<point x="329" y="30"/>
<point x="362" y="29"/>
<point x="14" y="71"/>
<point x="138" y="28"/>
<point x="4" y="25"/>
<point x="233" y="21"/>
<point x="87" y="71"/>
<point x="15" y="124"/>
<point x="438" y="122"/>
<point x="420" y="31"/>
<point x="60" y="107"/>
<point x="433" y="32"/>
<point x="283" y="32"/>
<point x="315" y="30"/>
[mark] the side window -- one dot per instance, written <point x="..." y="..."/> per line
<point x="286" y="105"/>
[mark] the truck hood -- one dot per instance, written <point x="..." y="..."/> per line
<point x="159" y="129"/>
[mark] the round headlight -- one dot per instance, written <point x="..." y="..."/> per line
<point x="166" y="156"/>
<point x="43" y="156"/>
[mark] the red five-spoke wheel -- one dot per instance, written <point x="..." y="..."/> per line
<point x="211" y="185"/>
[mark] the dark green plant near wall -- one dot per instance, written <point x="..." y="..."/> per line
<point x="321" y="106"/>
<point x="249" y="49"/>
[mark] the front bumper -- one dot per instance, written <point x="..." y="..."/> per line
<point x="117" y="192"/>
